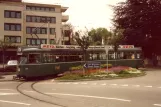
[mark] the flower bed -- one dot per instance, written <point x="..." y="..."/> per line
<point x="102" y="73"/>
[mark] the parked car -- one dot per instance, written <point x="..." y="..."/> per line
<point x="11" y="66"/>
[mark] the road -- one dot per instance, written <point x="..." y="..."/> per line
<point x="134" y="92"/>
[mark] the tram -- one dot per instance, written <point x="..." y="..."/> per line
<point x="48" y="59"/>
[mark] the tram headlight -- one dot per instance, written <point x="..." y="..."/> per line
<point x="18" y="69"/>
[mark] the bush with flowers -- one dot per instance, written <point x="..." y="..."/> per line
<point x="77" y="73"/>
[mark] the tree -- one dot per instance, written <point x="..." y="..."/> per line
<point x="4" y="46"/>
<point x="115" y="40"/>
<point x="68" y="31"/>
<point x="98" y="35"/>
<point x="83" y="40"/>
<point x="141" y="22"/>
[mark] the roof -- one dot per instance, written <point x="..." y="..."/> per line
<point x="44" y="5"/>
<point x="32" y="4"/>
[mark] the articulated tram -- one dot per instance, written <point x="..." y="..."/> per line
<point x="48" y="59"/>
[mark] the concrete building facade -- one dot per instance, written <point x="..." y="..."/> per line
<point x="31" y="23"/>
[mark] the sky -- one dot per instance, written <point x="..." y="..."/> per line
<point x="86" y="13"/>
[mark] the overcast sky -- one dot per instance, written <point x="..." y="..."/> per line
<point x="89" y="13"/>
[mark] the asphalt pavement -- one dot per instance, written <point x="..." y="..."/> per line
<point x="133" y="92"/>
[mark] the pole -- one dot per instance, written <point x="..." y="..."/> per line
<point x="48" y="33"/>
<point x="106" y="48"/>
<point x="3" y="59"/>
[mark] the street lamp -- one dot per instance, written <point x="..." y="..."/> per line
<point x="107" y="49"/>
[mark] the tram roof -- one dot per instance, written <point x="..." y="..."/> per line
<point x="38" y="49"/>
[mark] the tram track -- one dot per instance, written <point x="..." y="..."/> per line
<point x="59" y="98"/>
<point x="34" y="98"/>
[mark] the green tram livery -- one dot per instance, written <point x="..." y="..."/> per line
<point x="47" y="59"/>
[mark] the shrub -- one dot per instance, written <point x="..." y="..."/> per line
<point x="71" y="77"/>
<point x="105" y="65"/>
<point x="76" y="68"/>
<point x="100" y="73"/>
<point x="124" y="72"/>
<point x="118" y="69"/>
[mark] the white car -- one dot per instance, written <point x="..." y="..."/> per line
<point x="12" y="63"/>
<point x="11" y="66"/>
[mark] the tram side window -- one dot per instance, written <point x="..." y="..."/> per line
<point x="138" y="55"/>
<point x="94" y="56"/>
<point x="90" y="56"/>
<point x="102" y="56"/>
<point x="48" y="58"/>
<point x="120" y="55"/>
<point x="34" y="58"/>
<point x="111" y="56"/>
<point x="129" y="55"/>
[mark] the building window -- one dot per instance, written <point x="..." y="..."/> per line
<point x="18" y="15"/>
<point x="6" y="27"/>
<point x="12" y="14"/>
<point x="43" y="19"/>
<point x="7" y="14"/>
<point x="47" y="9"/>
<point x="12" y="27"/>
<point x="28" y="19"/>
<point x="43" y="31"/>
<point x="12" y="39"/>
<point x="40" y="19"/>
<point x="48" y="19"/>
<point x="42" y="8"/>
<point x="53" y="20"/>
<point x="33" y="19"/>
<point x="43" y="41"/>
<point x="33" y="8"/>
<point x="52" y="9"/>
<point x="28" y="41"/>
<point x="38" y="30"/>
<point x="28" y="30"/>
<point x="52" y="31"/>
<point x="37" y="8"/>
<point x="33" y="41"/>
<point x="18" y="27"/>
<point x="38" y="41"/>
<point x="28" y="8"/>
<point x="52" y="41"/>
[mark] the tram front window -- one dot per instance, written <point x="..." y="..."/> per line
<point x="23" y="60"/>
<point x="34" y="58"/>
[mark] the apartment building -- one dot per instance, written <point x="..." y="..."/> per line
<point x="31" y="23"/>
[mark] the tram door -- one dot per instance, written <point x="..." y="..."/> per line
<point x="34" y="58"/>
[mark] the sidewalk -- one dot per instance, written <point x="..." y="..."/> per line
<point x="6" y="78"/>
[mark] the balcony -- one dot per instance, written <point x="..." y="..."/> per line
<point x="65" y="18"/>
<point x="63" y="9"/>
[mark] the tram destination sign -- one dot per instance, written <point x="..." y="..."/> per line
<point x="51" y="46"/>
<point x="92" y="65"/>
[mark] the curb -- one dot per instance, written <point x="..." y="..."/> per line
<point x="6" y="80"/>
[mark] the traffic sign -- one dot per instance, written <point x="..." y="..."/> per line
<point x="92" y="65"/>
